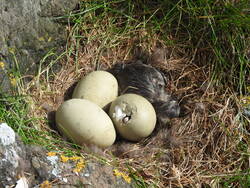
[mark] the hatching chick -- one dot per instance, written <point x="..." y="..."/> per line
<point x="150" y="83"/>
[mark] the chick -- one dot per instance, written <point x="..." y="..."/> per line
<point x="147" y="81"/>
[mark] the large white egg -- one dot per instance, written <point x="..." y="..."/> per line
<point x="84" y="122"/>
<point x="133" y="116"/>
<point x="100" y="87"/>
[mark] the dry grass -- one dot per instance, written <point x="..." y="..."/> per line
<point x="196" y="151"/>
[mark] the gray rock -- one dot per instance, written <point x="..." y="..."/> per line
<point x="93" y="174"/>
<point x="12" y="156"/>
<point x="28" y="31"/>
<point x="19" y="162"/>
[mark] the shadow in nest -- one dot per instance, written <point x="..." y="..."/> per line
<point x="51" y="115"/>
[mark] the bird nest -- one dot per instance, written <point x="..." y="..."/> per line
<point x="195" y="150"/>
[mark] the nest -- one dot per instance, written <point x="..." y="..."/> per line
<point x="192" y="150"/>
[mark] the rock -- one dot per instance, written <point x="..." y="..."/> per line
<point x="19" y="163"/>
<point x="28" y="31"/>
<point x="99" y="175"/>
<point x="67" y="172"/>
<point x="12" y="156"/>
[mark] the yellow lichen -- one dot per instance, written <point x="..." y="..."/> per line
<point x="50" y="154"/>
<point x="117" y="173"/>
<point x="79" y="165"/>
<point x="2" y="65"/>
<point x="75" y="158"/>
<point x="46" y="184"/>
<point x="64" y="159"/>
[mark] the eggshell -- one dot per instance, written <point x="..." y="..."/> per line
<point x="134" y="116"/>
<point x="99" y="87"/>
<point x="85" y="123"/>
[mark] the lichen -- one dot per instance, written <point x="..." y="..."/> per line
<point x="50" y="154"/>
<point x="64" y="159"/>
<point x="80" y="162"/>
<point x="46" y="184"/>
<point x="79" y="165"/>
<point x="117" y="173"/>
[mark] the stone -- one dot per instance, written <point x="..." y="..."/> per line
<point x="12" y="156"/>
<point x="31" y="166"/>
<point x="28" y="31"/>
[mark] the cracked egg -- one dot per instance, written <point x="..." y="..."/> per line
<point x="134" y="116"/>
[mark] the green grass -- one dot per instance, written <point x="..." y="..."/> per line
<point x="14" y="111"/>
<point x="240" y="180"/>
<point x="218" y="30"/>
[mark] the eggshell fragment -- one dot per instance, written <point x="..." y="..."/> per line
<point x="134" y="116"/>
<point x="85" y="123"/>
<point x="99" y="87"/>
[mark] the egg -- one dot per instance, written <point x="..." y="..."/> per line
<point x="99" y="87"/>
<point x="84" y="122"/>
<point x="134" y="116"/>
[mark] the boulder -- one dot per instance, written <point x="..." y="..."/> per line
<point x="12" y="156"/>
<point x="28" y="31"/>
